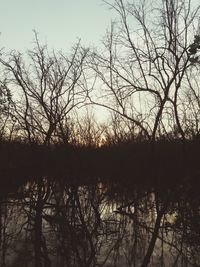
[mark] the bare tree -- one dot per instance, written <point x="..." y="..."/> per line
<point x="5" y="103"/>
<point x="46" y="89"/>
<point x="191" y="106"/>
<point x="143" y="64"/>
<point x="87" y="131"/>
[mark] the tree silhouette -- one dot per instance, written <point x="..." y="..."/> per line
<point x="46" y="88"/>
<point x="142" y="68"/>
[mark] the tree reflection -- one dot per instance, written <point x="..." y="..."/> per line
<point x="51" y="222"/>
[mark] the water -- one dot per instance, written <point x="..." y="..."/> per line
<point x="51" y="222"/>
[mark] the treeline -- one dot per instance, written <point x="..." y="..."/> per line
<point x="166" y="163"/>
<point x="145" y="73"/>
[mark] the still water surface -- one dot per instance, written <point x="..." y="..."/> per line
<point x="50" y="222"/>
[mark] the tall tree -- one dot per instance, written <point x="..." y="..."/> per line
<point x="142" y="67"/>
<point x="47" y="87"/>
<point x="5" y="103"/>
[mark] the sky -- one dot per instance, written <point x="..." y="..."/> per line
<point x="60" y="23"/>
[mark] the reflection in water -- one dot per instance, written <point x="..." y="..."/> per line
<point x="52" y="223"/>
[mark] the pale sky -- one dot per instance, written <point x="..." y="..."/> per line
<point x="59" y="22"/>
